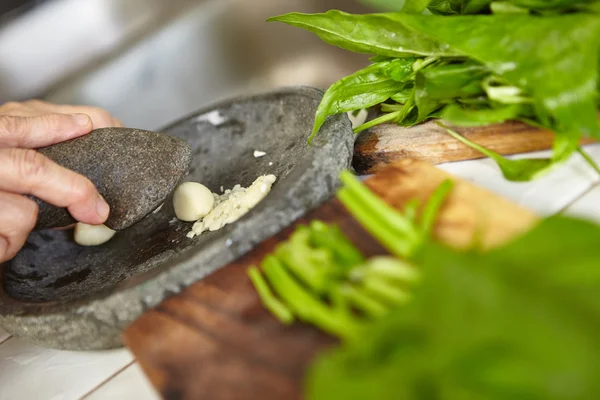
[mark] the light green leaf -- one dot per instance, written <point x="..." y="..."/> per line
<point x="463" y="116"/>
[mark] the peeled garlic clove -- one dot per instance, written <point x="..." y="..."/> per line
<point x="192" y="201"/>
<point x="92" y="235"/>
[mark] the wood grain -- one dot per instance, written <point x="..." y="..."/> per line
<point x="384" y="144"/>
<point x="215" y="340"/>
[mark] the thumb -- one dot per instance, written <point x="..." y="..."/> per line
<point x="43" y="130"/>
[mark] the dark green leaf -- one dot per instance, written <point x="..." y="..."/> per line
<point x="438" y="85"/>
<point x="457" y="7"/>
<point x="553" y="5"/>
<point x="380" y="34"/>
<point x="363" y="89"/>
<point x="454" y="80"/>
<point x="520" y="322"/>
<point x="555" y="59"/>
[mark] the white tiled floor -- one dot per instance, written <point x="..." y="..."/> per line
<point x="3" y="335"/>
<point x="30" y="372"/>
<point x="129" y="384"/>
<point x="587" y="206"/>
<point x="546" y="195"/>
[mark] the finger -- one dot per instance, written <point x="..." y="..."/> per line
<point x="33" y="132"/>
<point x="100" y="117"/>
<point x="117" y="123"/>
<point x="29" y="172"/>
<point x="18" y="215"/>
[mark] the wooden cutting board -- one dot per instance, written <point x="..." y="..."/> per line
<point x="215" y="341"/>
<point x="384" y="144"/>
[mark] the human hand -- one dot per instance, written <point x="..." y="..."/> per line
<point x="23" y="171"/>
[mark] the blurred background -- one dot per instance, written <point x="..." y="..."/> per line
<point x="150" y="62"/>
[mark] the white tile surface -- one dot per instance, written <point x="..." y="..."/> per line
<point x="587" y="207"/>
<point x="129" y="384"/>
<point x="3" y="335"/>
<point x="546" y="195"/>
<point x="29" y="372"/>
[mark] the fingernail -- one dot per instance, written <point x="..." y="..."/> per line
<point x="102" y="207"/>
<point x="81" y="119"/>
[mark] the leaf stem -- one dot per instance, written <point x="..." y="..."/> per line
<point x="394" y="242"/>
<point x="379" y="120"/>
<point x="433" y="206"/>
<point x="305" y="304"/>
<point x="276" y="307"/>
<point x="588" y="159"/>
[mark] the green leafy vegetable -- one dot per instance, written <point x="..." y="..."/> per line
<point x="533" y="54"/>
<point x="277" y="308"/>
<point x="363" y="89"/>
<point x="399" y="234"/>
<point x="517" y="322"/>
<point x="379" y="34"/>
<point x="458" y="7"/>
<point x="520" y="322"/>
<point x="532" y="60"/>
<point x="471" y="116"/>
<point x="320" y="277"/>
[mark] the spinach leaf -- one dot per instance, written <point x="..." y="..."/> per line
<point x="379" y="34"/>
<point x="410" y="6"/>
<point x="441" y="84"/>
<point x="520" y="170"/>
<point x="544" y="64"/>
<point x="454" y="80"/>
<point x="559" y="6"/>
<point x="520" y="322"/>
<point x="532" y="53"/>
<point x="463" y="116"/>
<point x="365" y="88"/>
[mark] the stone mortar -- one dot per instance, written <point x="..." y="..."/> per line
<point x="60" y="295"/>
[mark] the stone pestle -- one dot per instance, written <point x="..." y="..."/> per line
<point x="134" y="170"/>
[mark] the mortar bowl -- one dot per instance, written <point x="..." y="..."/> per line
<point x="58" y="294"/>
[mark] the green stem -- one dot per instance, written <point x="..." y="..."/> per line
<point x="433" y="206"/>
<point x="487" y="152"/>
<point x="277" y="308"/>
<point x="378" y="208"/>
<point x="363" y="302"/>
<point x="391" y="240"/>
<point x="384" y="291"/>
<point x="391" y="268"/>
<point x="297" y="257"/>
<point x="377" y="121"/>
<point x="427" y="61"/>
<point x="333" y="239"/>
<point x="304" y="304"/>
<point x="589" y="160"/>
